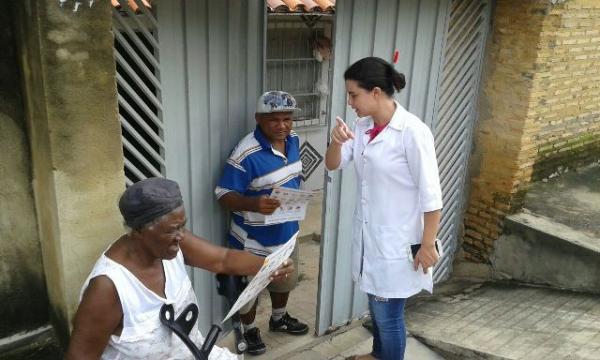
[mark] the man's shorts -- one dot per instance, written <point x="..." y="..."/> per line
<point x="282" y="286"/>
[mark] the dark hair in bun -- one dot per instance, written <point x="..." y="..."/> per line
<point x="372" y="72"/>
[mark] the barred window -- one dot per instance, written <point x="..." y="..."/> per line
<point x="298" y="63"/>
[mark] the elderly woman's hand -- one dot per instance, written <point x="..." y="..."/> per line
<point x="284" y="270"/>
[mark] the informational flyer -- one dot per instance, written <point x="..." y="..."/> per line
<point x="261" y="279"/>
<point x="293" y="207"/>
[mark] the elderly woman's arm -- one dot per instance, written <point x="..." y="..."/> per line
<point x="199" y="252"/>
<point x="97" y="318"/>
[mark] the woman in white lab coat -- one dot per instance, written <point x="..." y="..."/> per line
<point x="398" y="199"/>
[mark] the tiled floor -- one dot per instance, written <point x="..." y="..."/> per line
<point x="510" y="321"/>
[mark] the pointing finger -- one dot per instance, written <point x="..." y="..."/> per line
<point x="344" y="128"/>
<point x="350" y="134"/>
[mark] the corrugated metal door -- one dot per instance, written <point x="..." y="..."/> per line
<point x="417" y="28"/>
<point x="455" y="113"/>
<point x="212" y="71"/>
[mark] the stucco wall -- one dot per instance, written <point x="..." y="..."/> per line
<point x="22" y="287"/>
<point x="75" y="137"/>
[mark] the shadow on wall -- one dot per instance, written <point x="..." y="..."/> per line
<point x="22" y="284"/>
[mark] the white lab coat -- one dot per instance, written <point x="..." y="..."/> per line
<point x="397" y="181"/>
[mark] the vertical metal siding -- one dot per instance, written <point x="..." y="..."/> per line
<point x="365" y="28"/>
<point x="455" y="113"/>
<point x="212" y="52"/>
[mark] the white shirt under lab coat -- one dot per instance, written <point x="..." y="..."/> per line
<point x="397" y="181"/>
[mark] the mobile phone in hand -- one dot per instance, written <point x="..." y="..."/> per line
<point x="414" y="248"/>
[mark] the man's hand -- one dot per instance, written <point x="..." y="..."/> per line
<point x="284" y="270"/>
<point x="427" y="256"/>
<point x="341" y="133"/>
<point x="265" y="205"/>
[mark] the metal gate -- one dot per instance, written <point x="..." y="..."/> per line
<point x="183" y="111"/>
<point x="441" y="44"/>
<point x="455" y="114"/>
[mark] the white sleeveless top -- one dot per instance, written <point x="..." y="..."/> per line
<point x="143" y="336"/>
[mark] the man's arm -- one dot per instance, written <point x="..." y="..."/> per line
<point x="97" y="318"/>
<point x="200" y="253"/>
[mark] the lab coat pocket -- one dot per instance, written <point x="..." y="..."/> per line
<point x="390" y="242"/>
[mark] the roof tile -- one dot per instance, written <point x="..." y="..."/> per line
<point x="274" y="6"/>
<point x="132" y="4"/>
<point x="301" y="6"/>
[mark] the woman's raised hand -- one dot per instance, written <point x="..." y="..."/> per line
<point x="341" y="132"/>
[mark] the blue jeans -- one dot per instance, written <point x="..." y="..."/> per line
<point x="389" y="334"/>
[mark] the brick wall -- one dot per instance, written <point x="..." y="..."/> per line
<point x="539" y="110"/>
<point x="565" y="100"/>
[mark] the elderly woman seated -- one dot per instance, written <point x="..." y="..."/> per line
<point x="118" y="316"/>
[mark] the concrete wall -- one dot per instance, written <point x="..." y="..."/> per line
<point x="22" y="286"/>
<point x="537" y="250"/>
<point x="71" y="107"/>
<point x="540" y="108"/>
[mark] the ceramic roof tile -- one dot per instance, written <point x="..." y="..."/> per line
<point x="278" y="6"/>
<point x="132" y="4"/>
<point x="301" y="6"/>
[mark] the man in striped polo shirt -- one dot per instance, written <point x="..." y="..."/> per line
<point x="267" y="158"/>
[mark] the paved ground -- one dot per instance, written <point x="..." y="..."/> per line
<point x="507" y="321"/>
<point x="357" y="340"/>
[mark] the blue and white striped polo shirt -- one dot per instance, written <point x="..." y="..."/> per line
<point x="254" y="168"/>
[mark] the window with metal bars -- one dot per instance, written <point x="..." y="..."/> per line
<point x="293" y="64"/>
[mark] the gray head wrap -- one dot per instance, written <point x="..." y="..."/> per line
<point x="149" y="199"/>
